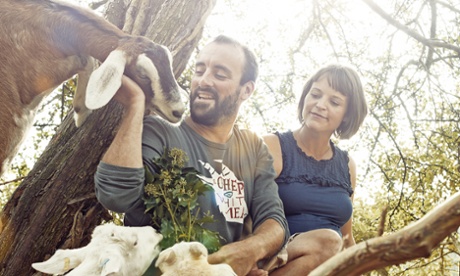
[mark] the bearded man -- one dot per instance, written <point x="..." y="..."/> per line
<point x="235" y="161"/>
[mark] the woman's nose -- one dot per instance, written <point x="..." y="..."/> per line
<point x="321" y="103"/>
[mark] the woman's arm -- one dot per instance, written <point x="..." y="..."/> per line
<point x="273" y="143"/>
<point x="347" y="229"/>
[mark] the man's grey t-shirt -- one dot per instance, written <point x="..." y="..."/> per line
<point x="240" y="172"/>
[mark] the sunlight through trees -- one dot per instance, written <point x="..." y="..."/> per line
<point x="408" y="53"/>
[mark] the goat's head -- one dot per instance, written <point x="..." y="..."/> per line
<point x="113" y="250"/>
<point x="174" y="258"/>
<point x="190" y="258"/>
<point x="150" y="66"/>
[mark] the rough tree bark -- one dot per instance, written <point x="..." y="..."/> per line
<point x="55" y="207"/>
<point x="416" y="240"/>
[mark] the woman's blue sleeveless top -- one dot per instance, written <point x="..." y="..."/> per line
<point x="315" y="194"/>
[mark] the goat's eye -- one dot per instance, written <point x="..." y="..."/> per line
<point x="143" y="76"/>
<point x="135" y="243"/>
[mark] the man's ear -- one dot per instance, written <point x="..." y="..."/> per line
<point x="247" y="89"/>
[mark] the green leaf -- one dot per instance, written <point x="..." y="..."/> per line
<point x="175" y="206"/>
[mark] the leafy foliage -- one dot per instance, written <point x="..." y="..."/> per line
<point x="171" y="198"/>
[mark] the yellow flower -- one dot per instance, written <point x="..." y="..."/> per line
<point x="179" y="157"/>
<point x="166" y="177"/>
<point x="151" y="189"/>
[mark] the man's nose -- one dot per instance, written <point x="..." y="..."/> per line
<point x="205" y="80"/>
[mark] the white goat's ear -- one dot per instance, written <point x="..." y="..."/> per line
<point x="62" y="261"/>
<point x="105" y="81"/>
<point x="111" y="265"/>
<point x="197" y="250"/>
<point x="167" y="256"/>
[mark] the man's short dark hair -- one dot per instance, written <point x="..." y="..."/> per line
<point x="251" y="67"/>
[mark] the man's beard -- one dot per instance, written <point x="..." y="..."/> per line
<point x="228" y="107"/>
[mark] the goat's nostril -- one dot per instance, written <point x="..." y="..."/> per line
<point x="177" y="114"/>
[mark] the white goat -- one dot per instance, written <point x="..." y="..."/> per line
<point x="190" y="258"/>
<point x="45" y="42"/>
<point x="113" y="250"/>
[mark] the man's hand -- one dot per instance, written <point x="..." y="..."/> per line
<point x="130" y="94"/>
<point x="243" y="255"/>
<point x="257" y="272"/>
<point x="238" y="255"/>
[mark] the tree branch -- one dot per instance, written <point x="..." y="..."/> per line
<point x="12" y="181"/>
<point x="416" y="240"/>
<point x="446" y="5"/>
<point x="428" y="42"/>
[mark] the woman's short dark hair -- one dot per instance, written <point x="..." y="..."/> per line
<point x="346" y="81"/>
<point x="251" y="67"/>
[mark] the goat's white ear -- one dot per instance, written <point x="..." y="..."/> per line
<point x="197" y="250"/>
<point x="105" y="81"/>
<point x="111" y="265"/>
<point x="167" y="256"/>
<point x="62" y="261"/>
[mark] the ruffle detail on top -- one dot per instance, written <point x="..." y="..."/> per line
<point x="321" y="181"/>
<point x="302" y="168"/>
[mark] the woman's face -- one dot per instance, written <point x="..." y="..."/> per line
<point x="324" y="108"/>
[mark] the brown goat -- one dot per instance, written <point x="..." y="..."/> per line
<point x="45" y="42"/>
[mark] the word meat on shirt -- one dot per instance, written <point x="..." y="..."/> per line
<point x="229" y="193"/>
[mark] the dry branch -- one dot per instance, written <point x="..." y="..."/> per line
<point x="416" y="240"/>
<point x="410" y="32"/>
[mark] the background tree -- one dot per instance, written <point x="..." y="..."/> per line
<point x="55" y="206"/>
<point x="408" y="55"/>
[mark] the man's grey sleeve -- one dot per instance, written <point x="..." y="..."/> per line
<point x="118" y="188"/>
<point x="266" y="201"/>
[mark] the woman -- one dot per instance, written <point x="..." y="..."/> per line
<point x="315" y="178"/>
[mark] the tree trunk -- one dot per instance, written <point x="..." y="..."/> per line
<point x="55" y="206"/>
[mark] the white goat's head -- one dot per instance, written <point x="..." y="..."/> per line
<point x="113" y="250"/>
<point x="190" y="258"/>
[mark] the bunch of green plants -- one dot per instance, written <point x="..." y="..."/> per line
<point x="171" y="194"/>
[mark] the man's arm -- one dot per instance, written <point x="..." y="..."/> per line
<point x="126" y="149"/>
<point x="270" y="230"/>
<point x="266" y="241"/>
<point x="120" y="174"/>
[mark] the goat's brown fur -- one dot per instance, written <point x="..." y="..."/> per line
<point x="42" y="44"/>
